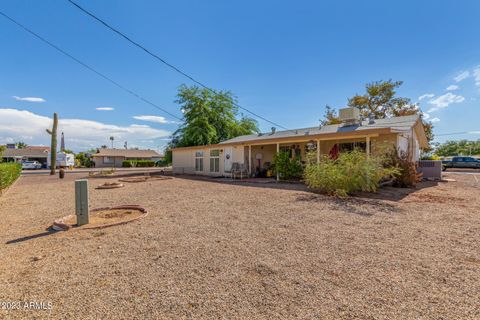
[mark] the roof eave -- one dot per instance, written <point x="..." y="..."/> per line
<point x="359" y="133"/>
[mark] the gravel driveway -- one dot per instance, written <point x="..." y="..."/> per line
<point x="219" y="250"/>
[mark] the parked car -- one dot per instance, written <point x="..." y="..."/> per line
<point x="461" y="162"/>
<point x="31" y="165"/>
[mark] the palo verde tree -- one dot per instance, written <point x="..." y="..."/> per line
<point x="53" y="146"/>
<point x="209" y="117"/>
<point x="380" y="100"/>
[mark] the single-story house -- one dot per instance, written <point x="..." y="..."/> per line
<point x="30" y="153"/>
<point x="256" y="151"/>
<point x="108" y="158"/>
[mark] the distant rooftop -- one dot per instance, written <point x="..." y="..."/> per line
<point x="127" y="153"/>
<point x="30" y="151"/>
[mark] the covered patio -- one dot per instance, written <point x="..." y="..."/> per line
<point x="259" y="156"/>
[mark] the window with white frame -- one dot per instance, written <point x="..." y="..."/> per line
<point x="198" y="160"/>
<point x="215" y="160"/>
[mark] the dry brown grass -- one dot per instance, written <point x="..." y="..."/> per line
<point x="215" y="250"/>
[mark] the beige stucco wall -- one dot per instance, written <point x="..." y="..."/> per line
<point x="239" y="154"/>
<point x="117" y="163"/>
<point x="384" y="142"/>
<point x="183" y="161"/>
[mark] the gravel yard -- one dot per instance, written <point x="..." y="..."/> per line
<point x="257" y="251"/>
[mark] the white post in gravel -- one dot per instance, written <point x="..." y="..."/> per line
<point x="81" y="201"/>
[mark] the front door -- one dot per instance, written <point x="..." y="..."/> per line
<point x="227" y="156"/>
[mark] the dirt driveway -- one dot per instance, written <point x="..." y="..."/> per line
<point x="216" y="250"/>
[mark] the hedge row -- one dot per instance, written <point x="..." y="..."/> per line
<point x="138" y="163"/>
<point x="9" y="172"/>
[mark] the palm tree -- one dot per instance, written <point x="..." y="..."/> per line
<point x="112" y="138"/>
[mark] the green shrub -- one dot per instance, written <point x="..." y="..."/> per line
<point x="138" y="163"/>
<point x="350" y="172"/>
<point x="408" y="176"/>
<point x="162" y="163"/>
<point x="286" y="167"/>
<point x="81" y="160"/>
<point x="430" y="157"/>
<point x="9" y="172"/>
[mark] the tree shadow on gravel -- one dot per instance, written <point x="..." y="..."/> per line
<point x="360" y="206"/>
<point x="295" y="186"/>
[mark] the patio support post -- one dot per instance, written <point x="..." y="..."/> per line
<point x="249" y="160"/>
<point x="368" y="146"/>
<point x="318" y="151"/>
<point x="278" y="151"/>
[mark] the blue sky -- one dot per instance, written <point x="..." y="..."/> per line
<point x="284" y="60"/>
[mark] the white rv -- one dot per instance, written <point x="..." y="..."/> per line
<point x="64" y="160"/>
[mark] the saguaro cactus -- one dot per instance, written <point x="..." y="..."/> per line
<point x="53" y="146"/>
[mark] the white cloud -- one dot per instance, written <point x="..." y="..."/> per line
<point x="156" y="119"/>
<point x="474" y="132"/>
<point x="444" y="101"/>
<point x="452" y="87"/>
<point x="476" y="75"/>
<point x="105" y="109"/>
<point x="434" y="120"/>
<point x="462" y="76"/>
<point x="425" y="96"/>
<point x="80" y="134"/>
<point x="29" y="99"/>
<point x="426" y="116"/>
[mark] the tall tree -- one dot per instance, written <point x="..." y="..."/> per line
<point x="2" y="149"/>
<point x="455" y="148"/>
<point x="209" y="118"/>
<point x="21" y="145"/>
<point x="380" y="100"/>
<point x="330" y="116"/>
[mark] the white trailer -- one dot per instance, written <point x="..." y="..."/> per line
<point x="64" y="160"/>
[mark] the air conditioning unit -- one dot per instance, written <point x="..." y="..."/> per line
<point x="349" y="116"/>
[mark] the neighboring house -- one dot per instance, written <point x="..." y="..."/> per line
<point x="256" y="151"/>
<point x="108" y="158"/>
<point x="31" y="153"/>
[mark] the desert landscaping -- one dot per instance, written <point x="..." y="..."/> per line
<point x="211" y="249"/>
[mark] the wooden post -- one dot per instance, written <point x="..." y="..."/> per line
<point x="249" y="160"/>
<point x="318" y="151"/>
<point x="278" y="151"/>
<point x="368" y="146"/>
<point x="81" y="201"/>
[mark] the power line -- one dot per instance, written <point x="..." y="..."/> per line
<point x="457" y="133"/>
<point x="167" y="63"/>
<point x="88" y="67"/>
